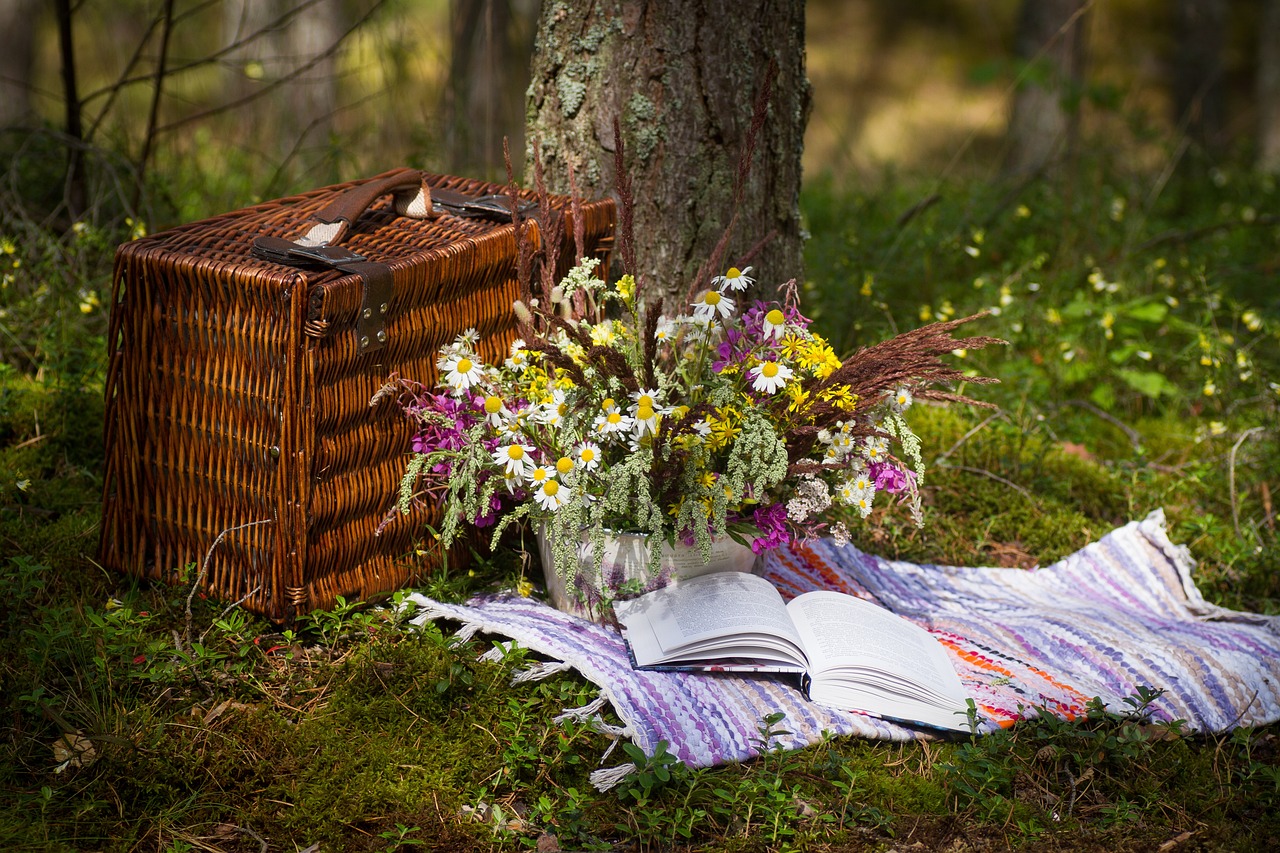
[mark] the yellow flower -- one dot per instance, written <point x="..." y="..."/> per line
<point x="626" y="287"/>
<point x="841" y="396"/>
<point x="524" y="588"/>
<point x="791" y="347"/>
<point x="799" y="398"/>
<point x="724" y="427"/>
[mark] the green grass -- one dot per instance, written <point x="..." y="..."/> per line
<point x="350" y="731"/>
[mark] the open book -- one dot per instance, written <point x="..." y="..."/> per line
<point x="852" y="654"/>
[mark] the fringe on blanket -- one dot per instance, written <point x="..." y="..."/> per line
<point x="603" y="779"/>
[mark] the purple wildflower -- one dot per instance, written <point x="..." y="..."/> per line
<point x="889" y="478"/>
<point x="771" y="521"/>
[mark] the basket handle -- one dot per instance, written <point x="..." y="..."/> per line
<point x="330" y="225"/>
<point x="413" y="198"/>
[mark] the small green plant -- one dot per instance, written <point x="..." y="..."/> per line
<point x="399" y="838"/>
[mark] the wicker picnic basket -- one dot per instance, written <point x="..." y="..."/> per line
<point x="245" y="352"/>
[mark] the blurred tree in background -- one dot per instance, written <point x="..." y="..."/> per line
<point x="220" y="102"/>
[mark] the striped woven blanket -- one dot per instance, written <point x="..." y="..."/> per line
<point x="1120" y="613"/>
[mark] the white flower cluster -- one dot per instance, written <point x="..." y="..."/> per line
<point x="811" y="498"/>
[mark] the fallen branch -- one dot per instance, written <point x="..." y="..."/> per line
<point x="985" y="473"/>
<point x="1231" y="477"/>
<point x="185" y="641"/>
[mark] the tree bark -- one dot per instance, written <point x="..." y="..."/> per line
<point x="1269" y="87"/>
<point x="1198" y="91"/>
<point x="681" y="79"/>
<point x="1044" y="120"/>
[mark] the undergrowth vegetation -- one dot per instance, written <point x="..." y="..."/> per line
<point x="1140" y="374"/>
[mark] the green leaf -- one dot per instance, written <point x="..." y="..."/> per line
<point x="1148" y="382"/>
<point x="1103" y="396"/>
<point x="1147" y="312"/>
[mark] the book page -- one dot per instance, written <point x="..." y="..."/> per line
<point x="718" y="614"/>
<point x="873" y="651"/>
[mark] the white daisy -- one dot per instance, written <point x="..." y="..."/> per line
<point x="733" y="279"/>
<point x="549" y="496"/>
<point x="462" y="372"/>
<point x="564" y="465"/>
<point x="645" y="419"/>
<point x="613" y="423"/>
<point x="540" y="474"/>
<point x="863" y="502"/>
<point x="467" y="339"/>
<point x="589" y="456"/>
<point x="519" y="357"/>
<point x="515" y="458"/>
<point x="875" y="448"/>
<point x="665" y="331"/>
<point x="775" y="323"/>
<point x="650" y="397"/>
<point x="710" y="303"/>
<point x="901" y="399"/>
<point x="770" y="376"/>
<point x="553" y="408"/>
<point x="496" y="412"/>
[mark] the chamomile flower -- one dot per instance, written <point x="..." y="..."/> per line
<point x="549" y="496"/>
<point x="554" y="408"/>
<point x="496" y="412"/>
<point x="863" y="500"/>
<point x="514" y="457"/>
<point x="875" y="448"/>
<point x="775" y="323"/>
<point x="589" y="455"/>
<point x="613" y="423"/>
<point x="540" y="474"/>
<point x="645" y="418"/>
<point x="519" y="357"/>
<point x="461" y="371"/>
<point x="665" y="331"/>
<point x="769" y="377"/>
<point x="901" y="399"/>
<point x="733" y="279"/>
<point x="646" y="398"/>
<point x="564" y="465"/>
<point x="467" y="339"/>
<point x="710" y="303"/>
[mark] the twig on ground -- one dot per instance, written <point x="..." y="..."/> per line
<point x="968" y="435"/>
<point x="1132" y="434"/>
<point x="185" y="640"/>
<point x="1231" y="477"/>
<point x="232" y="606"/>
<point x="262" y="842"/>
<point x="985" y="473"/>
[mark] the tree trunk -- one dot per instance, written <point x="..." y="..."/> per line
<point x="681" y="79"/>
<point x="279" y="39"/>
<point x="1044" y="121"/>
<point x="1198" y="91"/>
<point x="491" y="44"/>
<point x="1269" y="87"/>
<point x="17" y="48"/>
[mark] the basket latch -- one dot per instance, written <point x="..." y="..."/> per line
<point x="371" y="324"/>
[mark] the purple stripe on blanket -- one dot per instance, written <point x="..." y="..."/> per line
<point x="1120" y="613"/>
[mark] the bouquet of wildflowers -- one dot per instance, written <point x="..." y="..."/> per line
<point x="728" y="419"/>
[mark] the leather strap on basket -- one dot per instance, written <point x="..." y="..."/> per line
<point x="331" y="225"/>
